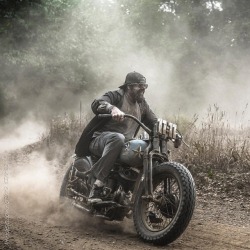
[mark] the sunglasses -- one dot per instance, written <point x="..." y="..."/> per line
<point x="139" y="85"/>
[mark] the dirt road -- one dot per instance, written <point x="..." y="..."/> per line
<point x="59" y="232"/>
<point x="32" y="219"/>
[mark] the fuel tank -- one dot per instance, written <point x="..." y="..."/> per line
<point x="132" y="153"/>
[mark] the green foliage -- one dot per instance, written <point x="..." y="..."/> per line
<point x="64" y="46"/>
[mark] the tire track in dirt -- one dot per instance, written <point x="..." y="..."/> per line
<point x="221" y="236"/>
<point x="36" y="233"/>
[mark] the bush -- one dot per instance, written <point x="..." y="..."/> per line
<point x="216" y="145"/>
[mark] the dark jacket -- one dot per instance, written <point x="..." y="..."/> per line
<point x="104" y="105"/>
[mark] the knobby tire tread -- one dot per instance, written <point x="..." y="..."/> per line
<point x="185" y="211"/>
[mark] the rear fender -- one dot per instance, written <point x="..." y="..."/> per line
<point x="83" y="164"/>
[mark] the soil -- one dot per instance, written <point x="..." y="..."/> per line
<point x="31" y="218"/>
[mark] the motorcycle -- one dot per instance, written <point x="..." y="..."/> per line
<point x="144" y="184"/>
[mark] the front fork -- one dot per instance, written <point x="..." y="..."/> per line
<point x="146" y="175"/>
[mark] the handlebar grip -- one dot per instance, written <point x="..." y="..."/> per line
<point x="104" y="116"/>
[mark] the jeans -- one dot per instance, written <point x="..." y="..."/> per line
<point x="108" y="146"/>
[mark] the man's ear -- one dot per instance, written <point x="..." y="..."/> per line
<point x="128" y="87"/>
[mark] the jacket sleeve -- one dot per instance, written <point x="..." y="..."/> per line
<point x="148" y="116"/>
<point x="105" y="103"/>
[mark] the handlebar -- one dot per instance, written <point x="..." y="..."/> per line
<point x="149" y="131"/>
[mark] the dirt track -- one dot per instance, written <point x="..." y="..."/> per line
<point x="27" y="232"/>
<point x="36" y="222"/>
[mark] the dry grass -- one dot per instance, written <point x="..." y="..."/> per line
<point x="63" y="134"/>
<point x="219" y="154"/>
<point x="216" y="145"/>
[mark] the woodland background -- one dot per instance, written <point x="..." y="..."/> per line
<point x="56" y="54"/>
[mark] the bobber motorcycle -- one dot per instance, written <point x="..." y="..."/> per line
<point x="144" y="184"/>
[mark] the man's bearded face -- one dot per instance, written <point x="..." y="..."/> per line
<point x="137" y="91"/>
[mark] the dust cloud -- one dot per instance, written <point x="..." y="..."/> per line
<point x="188" y="87"/>
<point x="31" y="180"/>
<point x="32" y="186"/>
<point x="32" y="189"/>
<point x="26" y="133"/>
<point x="49" y="83"/>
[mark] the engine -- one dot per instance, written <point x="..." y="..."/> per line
<point x="167" y="128"/>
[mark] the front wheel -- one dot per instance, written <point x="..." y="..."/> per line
<point x="162" y="218"/>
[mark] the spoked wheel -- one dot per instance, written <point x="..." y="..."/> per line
<point x="157" y="214"/>
<point x="163" y="218"/>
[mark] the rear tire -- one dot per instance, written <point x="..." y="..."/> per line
<point x="74" y="191"/>
<point x="63" y="189"/>
<point x="163" y="220"/>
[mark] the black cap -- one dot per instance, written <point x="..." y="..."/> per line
<point x="133" y="77"/>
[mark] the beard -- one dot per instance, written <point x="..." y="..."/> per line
<point x="139" y="96"/>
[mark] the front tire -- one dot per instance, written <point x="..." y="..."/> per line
<point x="164" y="218"/>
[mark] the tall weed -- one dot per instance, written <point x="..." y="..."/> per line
<point x="216" y="144"/>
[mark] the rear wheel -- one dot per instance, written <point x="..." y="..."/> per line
<point x="162" y="218"/>
<point x="74" y="191"/>
<point x="65" y="182"/>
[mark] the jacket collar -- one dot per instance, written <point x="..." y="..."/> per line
<point x="121" y="92"/>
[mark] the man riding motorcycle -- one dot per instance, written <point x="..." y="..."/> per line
<point x="106" y="137"/>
